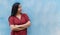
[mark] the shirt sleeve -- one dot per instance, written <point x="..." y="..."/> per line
<point x="26" y="17"/>
<point x="11" y="21"/>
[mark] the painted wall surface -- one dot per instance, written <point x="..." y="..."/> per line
<point x="44" y="16"/>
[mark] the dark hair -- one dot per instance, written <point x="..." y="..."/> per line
<point x="14" y="8"/>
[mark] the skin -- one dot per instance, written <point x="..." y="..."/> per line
<point x="20" y="27"/>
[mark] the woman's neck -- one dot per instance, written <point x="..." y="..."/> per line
<point x="18" y="14"/>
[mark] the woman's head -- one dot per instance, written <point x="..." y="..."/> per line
<point x="16" y="8"/>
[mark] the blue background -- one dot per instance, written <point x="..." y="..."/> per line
<point x="44" y="16"/>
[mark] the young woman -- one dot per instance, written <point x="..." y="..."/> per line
<point x="18" y="21"/>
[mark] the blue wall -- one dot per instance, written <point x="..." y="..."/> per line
<point x="44" y="15"/>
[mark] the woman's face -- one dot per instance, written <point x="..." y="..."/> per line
<point x="19" y="9"/>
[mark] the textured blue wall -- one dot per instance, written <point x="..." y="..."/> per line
<point x="44" y="15"/>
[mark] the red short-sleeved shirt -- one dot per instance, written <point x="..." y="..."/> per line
<point x="15" y="21"/>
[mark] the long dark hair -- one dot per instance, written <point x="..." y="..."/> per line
<point x="14" y="8"/>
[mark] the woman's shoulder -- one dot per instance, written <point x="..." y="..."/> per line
<point x="11" y="17"/>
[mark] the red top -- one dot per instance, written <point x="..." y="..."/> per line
<point x="13" y="20"/>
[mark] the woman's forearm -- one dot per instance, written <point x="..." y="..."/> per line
<point x="15" y="28"/>
<point x="21" y="27"/>
<point x="26" y="25"/>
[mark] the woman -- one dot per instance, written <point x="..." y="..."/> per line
<point x="18" y="21"/>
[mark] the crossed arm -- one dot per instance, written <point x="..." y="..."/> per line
<point x="20" y="27"/>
